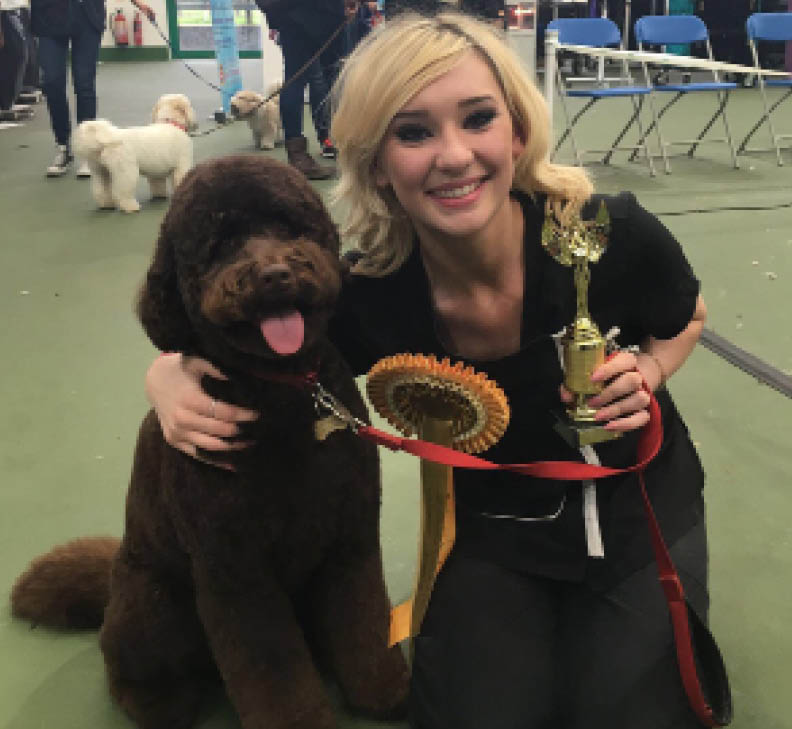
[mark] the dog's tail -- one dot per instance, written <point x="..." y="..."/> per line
<point x="69" y="586"/>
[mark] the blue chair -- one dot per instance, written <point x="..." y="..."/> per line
<point x="768" y="27"/>
<point x="659" y="30"/>
<point x="598" y="33"/>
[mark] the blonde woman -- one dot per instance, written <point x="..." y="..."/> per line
<point x="445" y="183"/>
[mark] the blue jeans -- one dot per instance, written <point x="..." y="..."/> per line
<point x="298" y="46"/>
<point x="53" y="56"/>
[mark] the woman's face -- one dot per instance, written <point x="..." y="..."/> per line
<point x="449" y="153"/>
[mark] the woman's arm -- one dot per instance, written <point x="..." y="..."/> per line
<point x="660" y="358"/>
<point x="189" y="418"/>
<point x="623" y="402"/>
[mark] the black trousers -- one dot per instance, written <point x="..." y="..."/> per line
<point x="505" y="650"/>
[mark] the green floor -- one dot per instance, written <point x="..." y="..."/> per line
<point x="74" y="357"/>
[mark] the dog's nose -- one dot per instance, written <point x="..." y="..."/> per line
<point x="275" y="277"/>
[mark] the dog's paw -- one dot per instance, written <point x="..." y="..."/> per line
<point x="129" y="206"/>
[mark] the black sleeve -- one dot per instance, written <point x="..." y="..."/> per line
<point x="666" y="288"/>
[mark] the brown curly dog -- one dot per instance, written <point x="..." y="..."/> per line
<point x="268" y="571"/>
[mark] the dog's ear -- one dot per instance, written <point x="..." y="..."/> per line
<point x="155" y="111"/>
<point x="189" y="114"/>
<point x="160" y="307"/>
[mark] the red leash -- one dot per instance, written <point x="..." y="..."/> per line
<point x="647" y="448"/>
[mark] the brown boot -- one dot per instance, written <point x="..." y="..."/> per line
<point x="297" y="152"/>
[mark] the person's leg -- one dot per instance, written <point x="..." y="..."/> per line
<point x="620" y="661"/>
<point x="329" y="66"/>
<point x="53" y="53"/>
<point x="85" y="55"/>
<point x="296" y="51"/>
<point x="297" y="48"/>
<point x="320" y="105"/>
<point x="86" y="41"/>
<point x="331" y="59"/>
<point x="485" y="655"/>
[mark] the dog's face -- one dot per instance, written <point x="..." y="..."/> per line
<point x="245" y="103"/>
<point x="246" y="270"/>
<point x="270" y="296"/>
<point x="175" y="108"/>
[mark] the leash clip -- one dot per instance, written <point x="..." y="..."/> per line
<point x="328" y="404"/>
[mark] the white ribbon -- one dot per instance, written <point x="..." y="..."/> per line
<point x="590" y="510"/>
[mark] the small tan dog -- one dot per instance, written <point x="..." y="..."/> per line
<point x="158" y="151"/>
<point x="262" y="118"/>
<point x="175" y="109"/>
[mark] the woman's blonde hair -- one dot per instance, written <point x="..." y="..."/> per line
<point x="382" y="74"/>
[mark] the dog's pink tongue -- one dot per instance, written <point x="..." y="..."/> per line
<point x="284" y="332"/>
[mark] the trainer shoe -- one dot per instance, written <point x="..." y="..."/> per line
<point x="328" y="150"/>
<point x="61" y="163"/>
<point x="83" y="170"/>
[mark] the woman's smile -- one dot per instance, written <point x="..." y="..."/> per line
<point x="459" y="194"/>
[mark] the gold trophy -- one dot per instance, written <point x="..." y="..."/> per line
<point x="578" y="244"/>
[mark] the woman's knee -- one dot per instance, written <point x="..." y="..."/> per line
<point x="53" y="78"/>
<point x="485" y="655"/>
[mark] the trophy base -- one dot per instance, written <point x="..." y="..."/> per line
<point x="578" y="434"/>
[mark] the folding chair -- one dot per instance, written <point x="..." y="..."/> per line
<point x="768" y="27"/>
<point x="598" y="33"/>
<point x="661" y="30"/>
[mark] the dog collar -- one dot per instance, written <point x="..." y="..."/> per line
<point x="303" y="380"/>
<point x="176" y="124"/>
<point x="328" y="406"/>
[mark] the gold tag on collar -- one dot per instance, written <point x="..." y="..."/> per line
<point x="327" y="425"/>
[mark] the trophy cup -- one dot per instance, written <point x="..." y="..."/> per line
<point x="578" y="244"/>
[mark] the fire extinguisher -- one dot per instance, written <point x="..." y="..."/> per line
<point x="137" y="29"/>
<point x="120" y="31"/>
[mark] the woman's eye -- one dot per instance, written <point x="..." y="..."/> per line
<point x="480" y="119"/>
<point x="411" y="133"/>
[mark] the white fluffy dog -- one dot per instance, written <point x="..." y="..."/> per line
<point x="158" y="151"/>
<point x="262" y="118"/>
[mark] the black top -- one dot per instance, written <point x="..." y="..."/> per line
<point x="52" y="18"/>
<point x="318" y="18"/>
<point x="644" y="285"/>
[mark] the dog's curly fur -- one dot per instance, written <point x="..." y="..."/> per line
<point x="263" y="117"/>
<point x="267" y="571"/>
<point x="117" y="156"/>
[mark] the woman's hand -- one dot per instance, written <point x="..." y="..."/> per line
<point x="622" y="404"/>
<point x="189" y="418"/>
